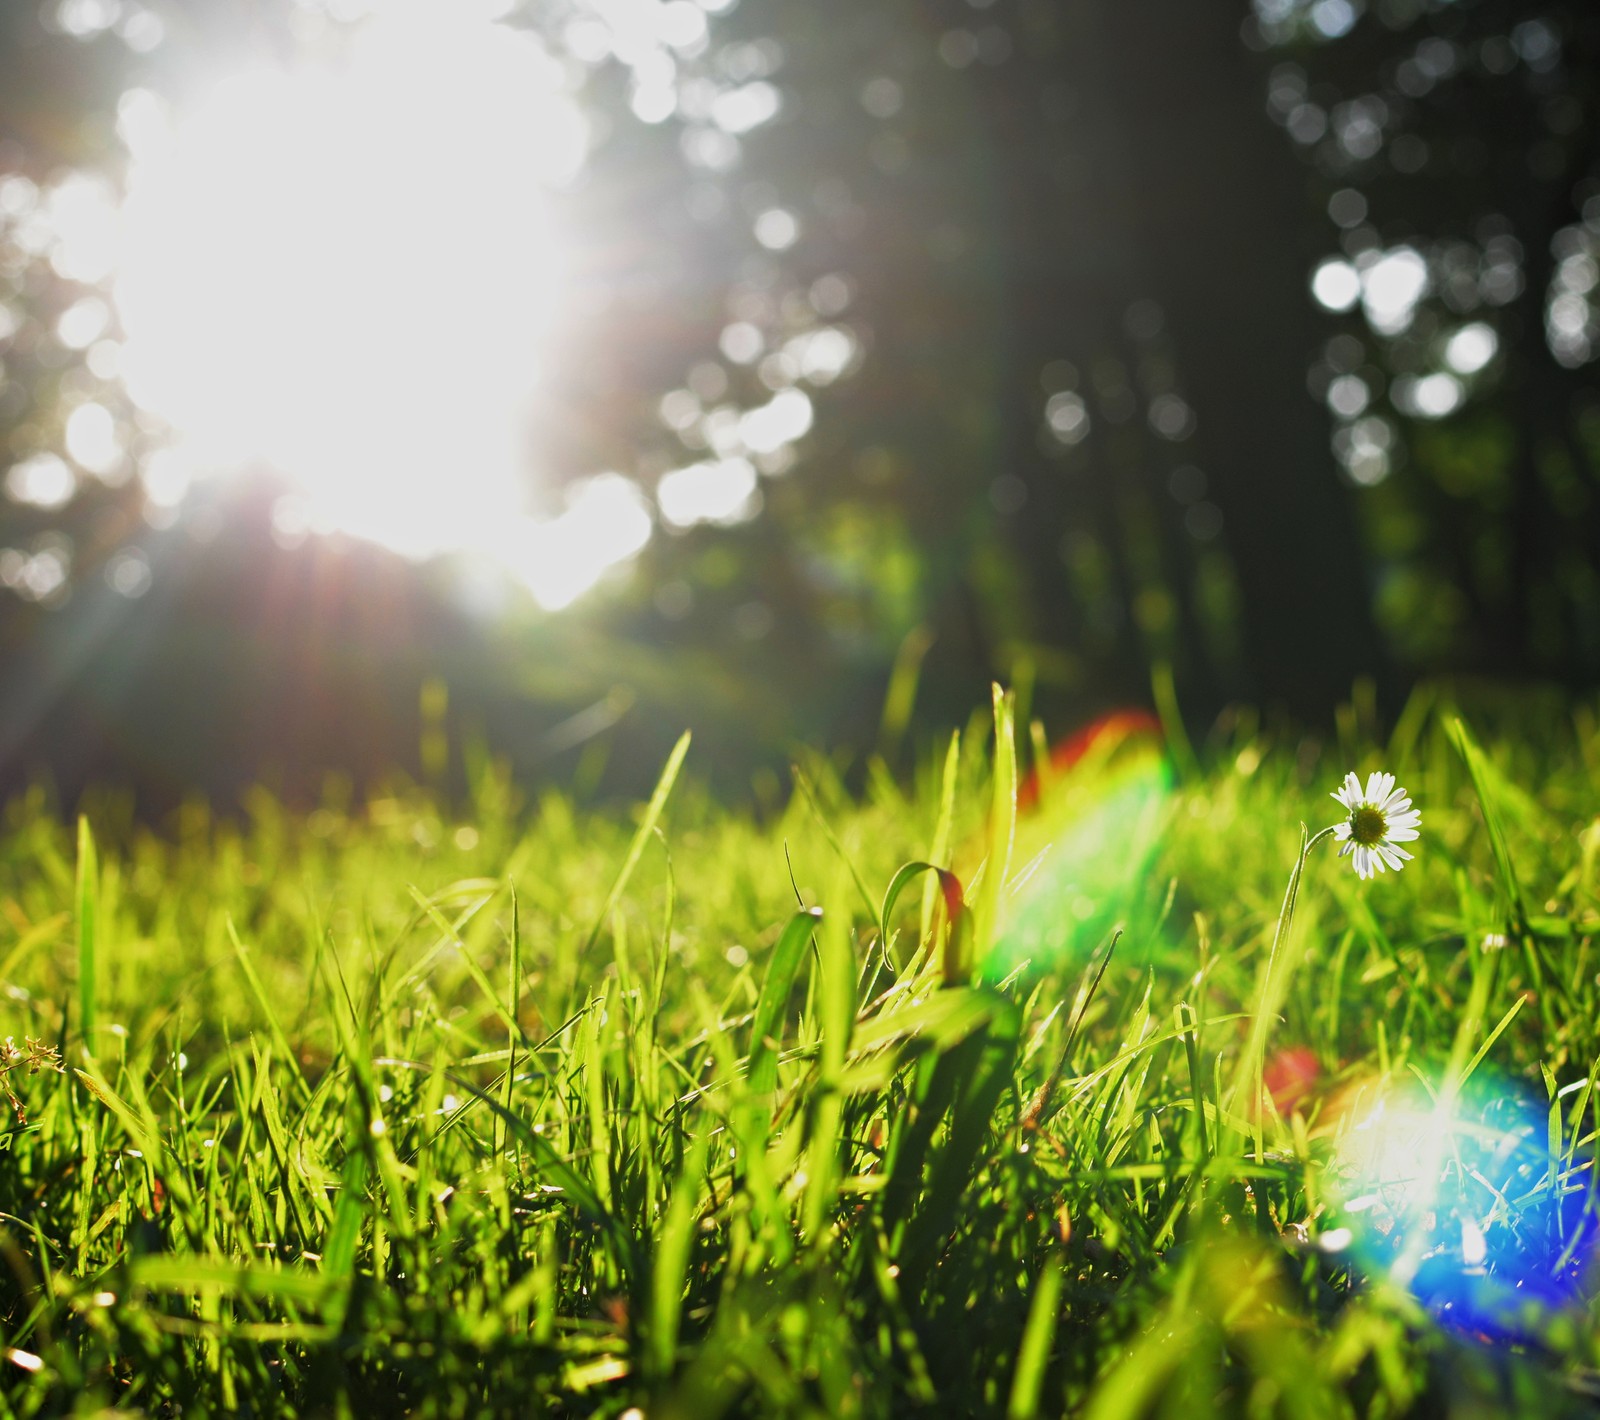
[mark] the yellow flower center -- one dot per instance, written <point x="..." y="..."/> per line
<point x="1368" y="825"/>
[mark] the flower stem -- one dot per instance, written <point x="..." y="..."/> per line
<point x="1291" y="893"/>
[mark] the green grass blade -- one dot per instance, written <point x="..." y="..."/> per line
<point x="973" y="1078"/>
<point x="1165" y="692"/>
<point x="1038" y="1336"/>
<point x="810" y="796"/>
<point x="264" y="1002"/>
<point x="901" y="696"/>
<point x="480" y="977"/>
<point x="766" y="1025"/>
<point x="88" y="924"/>
<point x="1481" y="773"/>
<point x="647" y="826"/>
<point x="670" y="1259"/>
<point x="944" y="825"/>
<point x="1001" y="834"/>
<point x="165" y="1273"/>
<point x="953" y="896"/>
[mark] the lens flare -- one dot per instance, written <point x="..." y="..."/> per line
<point x="1289" y="1079"/>
<point x="1472" y="1204"/>
<point x="1086" y="830"/>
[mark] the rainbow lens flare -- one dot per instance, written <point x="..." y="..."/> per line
<point x="1086" y="831"/>
<point x="1473" y="1205"/>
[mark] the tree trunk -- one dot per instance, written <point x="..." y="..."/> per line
<point x="1215" y="205"/>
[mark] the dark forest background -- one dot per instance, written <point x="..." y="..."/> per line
<point x="1097" y="421"/>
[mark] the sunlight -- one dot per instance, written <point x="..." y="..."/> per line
<point x="1087" y="825"/>
<point x="1467" y="1200"/>
<point x="605" y="522"/>
<point x="347" y="276"/>
<point x="1398" y="1150"/>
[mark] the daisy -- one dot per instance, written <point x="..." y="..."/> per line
<point x="1380" y="818"/>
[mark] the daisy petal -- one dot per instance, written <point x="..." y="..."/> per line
<point x="1384" y="812"/>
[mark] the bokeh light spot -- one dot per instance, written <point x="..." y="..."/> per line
<point x="1461" y="1200"/>
<point x="1471" y="348"/>
<point x="42" y="480"/>
<point x="1391" y="287"/>
<point x="723" y="493"/>
<point x="1336" y="285"/>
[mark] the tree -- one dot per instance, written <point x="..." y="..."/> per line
<point x="1455" y="147"/>
<point x="1073" y="232"/>
<point x="984" y="319"/>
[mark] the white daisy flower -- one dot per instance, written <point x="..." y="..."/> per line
<point x="1380" y="818"/>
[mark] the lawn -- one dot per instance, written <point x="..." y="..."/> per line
<point x="516" y="1105"/>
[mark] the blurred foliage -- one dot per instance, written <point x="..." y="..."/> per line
<point x="1063" y="432"/>
<point x="1463" y="137"/>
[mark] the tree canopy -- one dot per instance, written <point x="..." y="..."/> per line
<point x="1064" y="338"/>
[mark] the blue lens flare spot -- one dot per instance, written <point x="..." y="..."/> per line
<point x="1473" y="1204"/>
<point x="1087" y="828"/>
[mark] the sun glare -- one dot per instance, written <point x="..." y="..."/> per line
<point x="346" y="271"/>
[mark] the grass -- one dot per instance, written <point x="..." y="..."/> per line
<point x="520" y="1108"/>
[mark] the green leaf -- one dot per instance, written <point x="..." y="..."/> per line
<point x="765" y="1029"/>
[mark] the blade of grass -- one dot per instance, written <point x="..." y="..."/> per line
<point x="88" y="920"/>
<point x="1038" y="1336"/>
<point x="949" y="886"/>
<point x="652" y="812"/>
<point x="670" y="1260"/>
<point x="264" y="1001"/>
<point x="766" y="1026"/>
<point x="1164" y="689"/>
<point x="1001" y="834"/>
<point x="833" y="839"/>
<point x="1479" y="771"/>
<point x="944" y="825"/>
